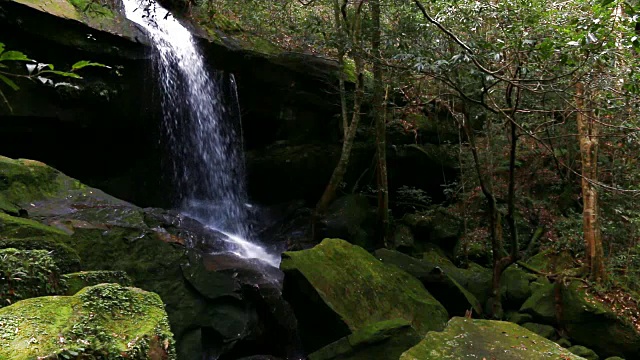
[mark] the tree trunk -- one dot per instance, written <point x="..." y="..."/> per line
<point x="588" y="136"/>
<point x="349" y="129"/>
<point x="380" y="121"/>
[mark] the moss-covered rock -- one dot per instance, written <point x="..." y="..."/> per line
<point x="385" y="340"/>
<point x="435" y="226"/>
<point x="105" y="321"/>
<point x="515" y="286"/>
<point x="588" y="322"/>
<point x="337" y="287"/>
<point x="584" y="352"/>
<point x="477" y="339"/>
<point x="550" y="261"/>
<point x="475" y="278"/>
<point x="541" y="304"/>
<point x="446" y="289"/>
<point x="27" y="273"/>
<point x="65" y="257"/>
<point x="546" y="331"/>
<point x="517" y="317"/>
<point x="79" y="280"/>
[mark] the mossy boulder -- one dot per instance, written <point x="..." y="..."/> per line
<point x="446" y="289"/>
<point x="475" y="278"/>
<point x="79" y="280"/>
<point x="385" y="340"/>
<point x="546" y="331"/>
<point x="584" y="318"/>
<point x="105" y="321"/>
<point x="541" y="304"/>
<point x="27" y="273"/>
<point x="515" y="286"/>
<point x="477" y="339"/>
<point x="550" y="261"/>
<point x="584" y="352"/>
<point x="337" y="288"/>
<point x="65" y="257"/>
<point x="588" y="322"/>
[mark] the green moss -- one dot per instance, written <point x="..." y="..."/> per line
<point x="65" y="257"/>
<point x="17" y="227"/>
<point x="27" y="273"/>
<point x="79" y="280"/>
<point x="477" y="339"/>
<point x="363" y="290"/>
<point x="23" y="182"/>
<point x="61" y="8"/>
<point x="105" y="321"/>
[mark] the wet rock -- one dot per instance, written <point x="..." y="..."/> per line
<point x="476" y="339"/>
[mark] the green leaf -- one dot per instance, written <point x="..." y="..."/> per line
<point x="13" y="56"/>
<point x="84" y="63"/>
<point x="62" y="73"/>
<point x="1" y="48"/>
<point x="9" y="82"/>
<point x="606" y="2"/>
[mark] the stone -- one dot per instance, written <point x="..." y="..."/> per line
<point x="518" y="318"/>
<point x="453" y="296"/>
<point x="106" y="321"/>
<point x="65" y="257"/>
<point x="564" y="342"/>
<point x="584" y="352"/>
<point x="546" y="331"/>
<point x="402" y="239"/>
<point x="477" y="339"/>
<point x="515" y="286"/>
<point x="385" y="340"/>
<point x="541" y="304"/>
<point x="77" y="281"/>
<point x="351" y="218"/>
<point x="337" y="288"/>
<point x="435" y="226"/>
<point x="27" y="273"/>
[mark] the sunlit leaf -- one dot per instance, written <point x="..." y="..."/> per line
<point x="13" y="56"/>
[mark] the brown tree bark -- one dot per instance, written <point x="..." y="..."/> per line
<point x="588" y="137"/>
<point x="379" y="115"/>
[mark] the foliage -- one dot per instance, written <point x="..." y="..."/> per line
<point x="43" y="73"/>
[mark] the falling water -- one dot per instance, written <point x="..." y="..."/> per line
<point x="207" y="156"/>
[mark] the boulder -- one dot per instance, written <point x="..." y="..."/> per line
<point x="27" y="273"/>
<point x="541" y="304"/>
<point x="337" y="288"/>
<point x="589" y="322"/>
<point x="515" y="286"/>
<point x="546" y="331"/>
<point x="77" y="281"/>
<point x="518" y="318"/>
<point x="105" y="321"/>
<point x="584" y="318"/>
<point x="550" y="261"/>
<point x="584" y="352"/>
<point x="477" y="339"/>
<point x="453" y="296"/>
<point x="475" y="278"/>
<point x="65" y="257"/>
<point x="385" y="340"/>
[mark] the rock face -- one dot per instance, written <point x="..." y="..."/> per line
<point x="80" y="326"/>
<point x="477" y="339"/>
<point x="337" y="288"/>
<point x="217" y="304"/>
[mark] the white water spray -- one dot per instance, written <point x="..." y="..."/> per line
<point x="207" y="156"/>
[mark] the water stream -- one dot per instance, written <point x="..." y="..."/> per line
<point x="205" y="145"/>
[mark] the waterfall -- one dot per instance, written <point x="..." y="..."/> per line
<point x="206" y="150"/>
